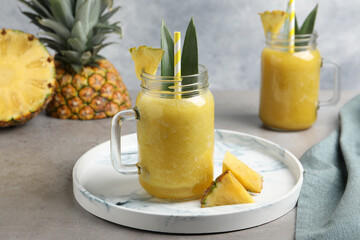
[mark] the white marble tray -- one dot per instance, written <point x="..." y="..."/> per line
<point x="102" y="191"/>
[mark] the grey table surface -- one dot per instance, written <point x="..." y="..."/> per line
<point x="36" y="161"/>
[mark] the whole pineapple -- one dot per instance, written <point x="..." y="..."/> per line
<point x="87" y="85"/>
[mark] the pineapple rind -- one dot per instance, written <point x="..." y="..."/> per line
<point x="61" y="107"/>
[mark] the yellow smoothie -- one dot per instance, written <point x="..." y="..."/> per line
<point x="289" y="88"/>
<point x="176" y="144"/>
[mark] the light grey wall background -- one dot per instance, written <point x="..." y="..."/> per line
<point x="230" y="35"/>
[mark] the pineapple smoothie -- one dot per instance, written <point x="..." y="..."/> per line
<point x="289" y="88"/>
<point x="176" y="144"/>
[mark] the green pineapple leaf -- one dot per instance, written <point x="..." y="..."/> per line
<point x="76" y="44"/>
<point x="106" y="4"/>
<point x="98" y="38"/>
<point x="38" y="8"/>
<point x="56" y="37"/>
<point x="85" y="57"/>
<point x="51" y="44"/>
<point x="78" y="4"/>
<point x="109" y="28"/>
<point x="308" y="25"/>
<point x="167" y="44"/>
<point x="109" y="14"/>
<point x="55" y="26"/>
<point x="88" y="14"/>
<point x="78" y="31"/>
<point x="296" y="25"/>
<point x="189" y="58"/>
<point x="72" y="56"/>
<point x="62" y="11"/>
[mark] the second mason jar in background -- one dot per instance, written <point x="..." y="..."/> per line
<point x="290" y="79"/>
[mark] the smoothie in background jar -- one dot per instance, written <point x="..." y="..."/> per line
<point x="289" y="82"/>
<point x="289" y="88"/>
<point x="290" y="72"/>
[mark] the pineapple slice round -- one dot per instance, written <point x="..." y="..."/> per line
<point x="27" y="77"/>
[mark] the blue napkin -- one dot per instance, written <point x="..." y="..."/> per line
<point x="329" y="202"/>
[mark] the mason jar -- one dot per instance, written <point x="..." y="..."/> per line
<point x="175" y="133"/>
<point x="290" y="79"/>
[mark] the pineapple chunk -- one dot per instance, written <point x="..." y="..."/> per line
<point x="251" y="180"/>
<point x="146" y="59"/>
<point x="225" y="190"/>
<point x="273" y="21"/>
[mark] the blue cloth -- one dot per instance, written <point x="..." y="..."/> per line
<point x="329" y="201"/>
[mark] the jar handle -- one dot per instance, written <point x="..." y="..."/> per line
<point x="115" y="141"/>
<point x="336" y="89"/>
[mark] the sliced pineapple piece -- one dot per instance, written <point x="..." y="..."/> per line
<point x="250" y="179"/>
<point x="27" y="77"/>
<point x="273" y="21"/>
<point x="225" y="190"/>
<point x="146" y="59"/>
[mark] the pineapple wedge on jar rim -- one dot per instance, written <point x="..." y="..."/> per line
<point x="146" y="59"/>
<point x="273" y="21"/>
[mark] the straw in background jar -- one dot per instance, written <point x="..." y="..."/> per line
<point x="177" y="61"/>
<point x="292" y="25"/>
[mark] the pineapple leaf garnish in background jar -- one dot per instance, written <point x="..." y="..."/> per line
<point x="87" y="85"/>
<point x="309" y="23"/>
<point x="27" y="77"/>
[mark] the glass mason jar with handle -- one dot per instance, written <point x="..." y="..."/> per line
<point x="290" y="79"/>
<point x="175" y="133"/>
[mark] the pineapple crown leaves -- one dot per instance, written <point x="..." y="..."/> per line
<point x="75" y="29"/>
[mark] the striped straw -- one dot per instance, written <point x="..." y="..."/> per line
<point x="177" y="58"/>
<point x="292" y="25"/>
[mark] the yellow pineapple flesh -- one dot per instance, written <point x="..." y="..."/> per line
<point x="273" y="21"/>
<point x="146" y="59"/>
<point x="250" y="179"/>
<point x="27" y="77"/>
<point x="225" y="190"/>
